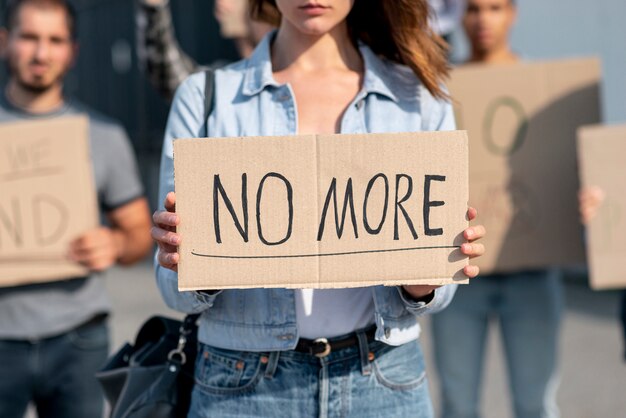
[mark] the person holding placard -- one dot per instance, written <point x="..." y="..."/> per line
<point x="54" y="336"/>
<point x="528" y="304"/>
<point x="372" y="67"/>
<point x="590" y="200"/>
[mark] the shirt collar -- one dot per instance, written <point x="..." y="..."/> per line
<point x="258" y="74"/>
<point x="377" y="71"/>
<point x="59" y="111"/>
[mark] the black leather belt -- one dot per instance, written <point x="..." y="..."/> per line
<point x="323" y="347"/>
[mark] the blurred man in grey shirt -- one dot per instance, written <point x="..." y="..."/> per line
<point x="53" y="336"/>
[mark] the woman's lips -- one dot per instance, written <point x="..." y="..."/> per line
<point x="313" y="9"/>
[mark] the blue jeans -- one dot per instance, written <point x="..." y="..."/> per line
<point x="371" y="380"/>
<point x="56" y="374"/>
<point x="528" y="306"/>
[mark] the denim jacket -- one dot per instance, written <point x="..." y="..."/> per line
<point x="249" y="102"/>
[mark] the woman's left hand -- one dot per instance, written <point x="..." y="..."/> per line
<point x="471" y="248"/>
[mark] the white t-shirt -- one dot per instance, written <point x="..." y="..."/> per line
<point x="332" y="312"/>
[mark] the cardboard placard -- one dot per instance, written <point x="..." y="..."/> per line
<point x="601" y="151"/>
<point x="522" y="120"/>
<point x="48" y="198"/>
<point x="321" y="211"/>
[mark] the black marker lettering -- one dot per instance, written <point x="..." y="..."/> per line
<point x="218" y="189"/>
<point x="370" y="185"/>
<point x="13" y="223"/>
<point x="428" y="204"/>
<point x="347" y="200"/>
<point x="258" y="208"/>
<point x="407" y="218"/>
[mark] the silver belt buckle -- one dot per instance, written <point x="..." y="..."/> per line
<point x="326" y="347"/>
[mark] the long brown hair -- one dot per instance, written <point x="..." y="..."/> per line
<point x="395" y="29"/>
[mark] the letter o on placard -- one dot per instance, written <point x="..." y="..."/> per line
<point x="259" y="195"/>
<point x="370" y="185"/>
<point x="520" y="133"/>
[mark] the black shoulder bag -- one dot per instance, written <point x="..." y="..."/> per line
<point x="154" y="377"/>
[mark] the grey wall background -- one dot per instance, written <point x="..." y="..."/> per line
<point x="107" y="76"/>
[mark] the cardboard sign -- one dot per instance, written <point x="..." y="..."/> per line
<point x="522" y="120"/>
<point x="601" y="151"/>
<point x="48" y="198"/>
<point x="323" y="211"/>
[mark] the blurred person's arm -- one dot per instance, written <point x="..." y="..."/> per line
<point x="160" y="55"/>
<point x="126" y="241"/>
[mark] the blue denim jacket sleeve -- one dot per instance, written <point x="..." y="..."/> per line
<point x="443" y="297"/>
<point x="186" y="120"/>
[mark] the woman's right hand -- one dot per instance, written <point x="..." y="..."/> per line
<point x="164" y="233"/>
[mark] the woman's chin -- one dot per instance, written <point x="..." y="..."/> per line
<point x="313" y="28"/>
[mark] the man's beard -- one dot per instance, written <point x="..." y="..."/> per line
<point x="30" y="87"/>
<point x="34" y="88"/>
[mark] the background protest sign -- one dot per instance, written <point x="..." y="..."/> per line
<point x="321" y="211"/>
<point x="601" y="151"/>
<point x="48" y="198"/>
<point x="522" y="120"/>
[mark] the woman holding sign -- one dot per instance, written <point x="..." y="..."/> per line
<point x="373" y="67"/>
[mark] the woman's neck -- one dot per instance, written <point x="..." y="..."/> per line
<point x="308" y="53"/>
<point x="34" y="101"/>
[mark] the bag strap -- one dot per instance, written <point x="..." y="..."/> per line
<point x="189" y="323"/>
<point x="187" y="327"/>
<point x="209" y="81"/>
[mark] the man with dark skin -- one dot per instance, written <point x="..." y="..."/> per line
<point x="527" y="304"/>
<point x="54" y="336"/>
